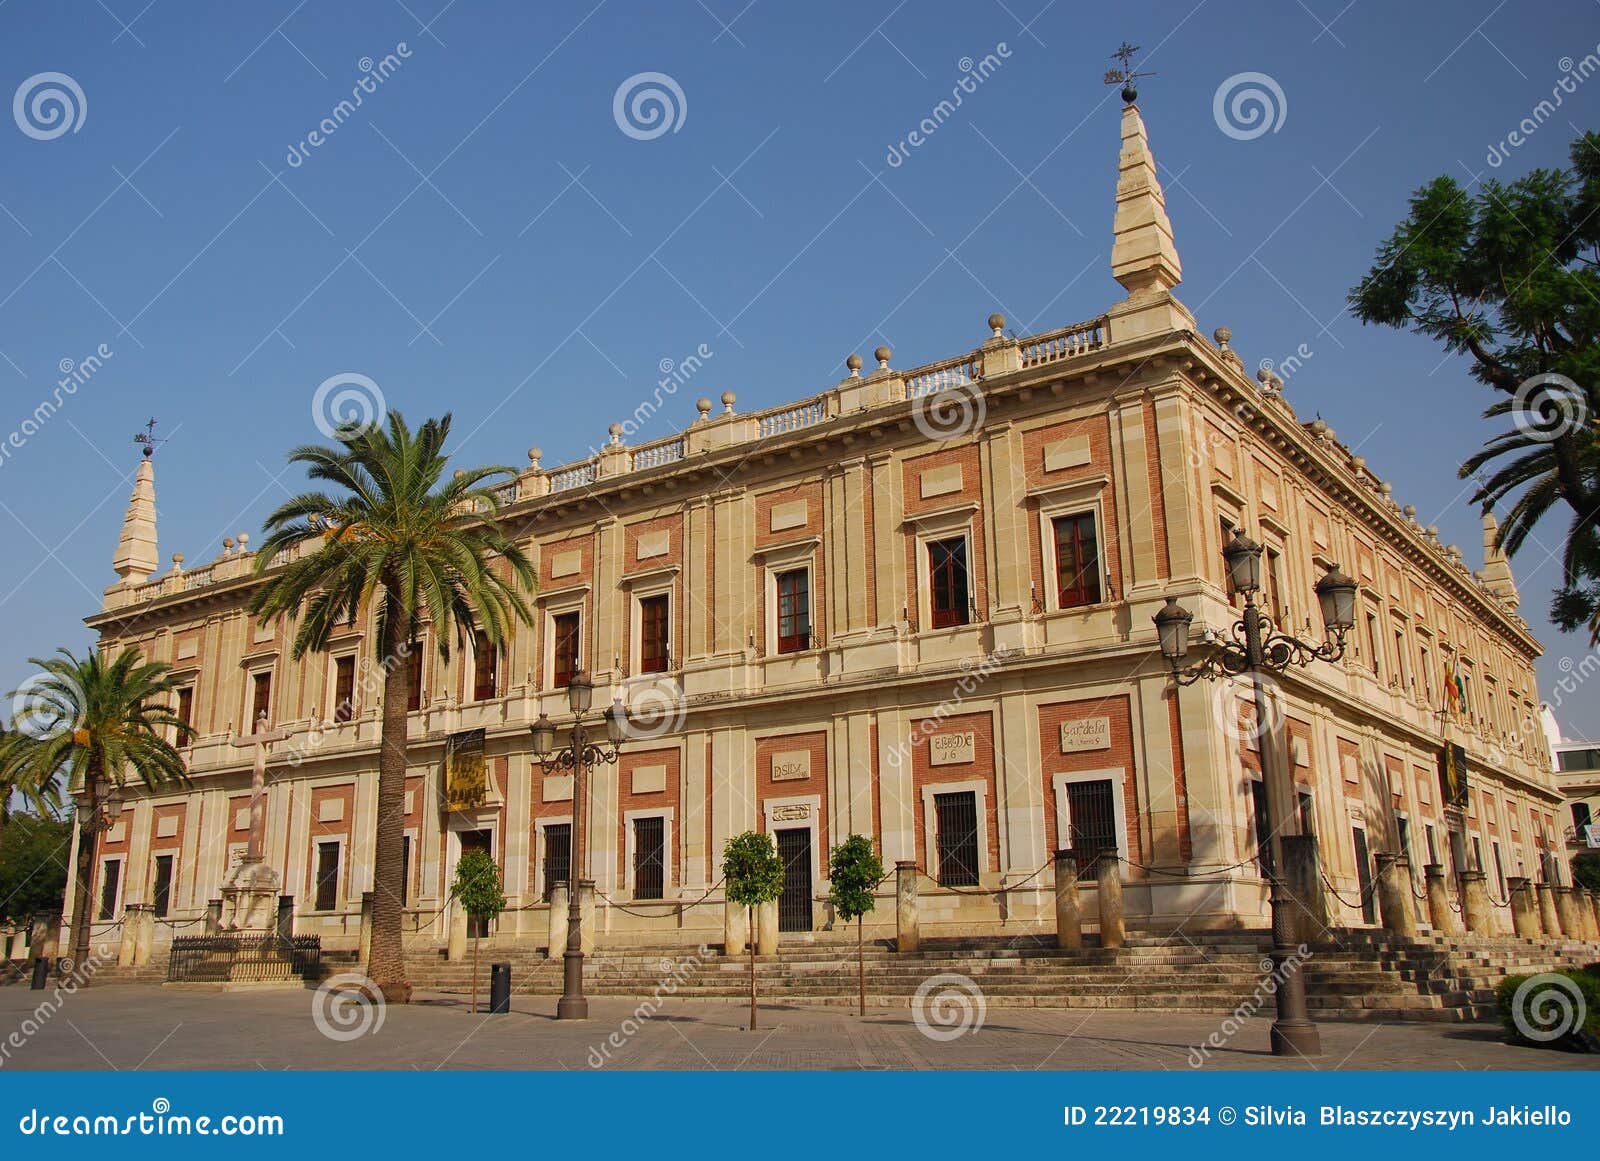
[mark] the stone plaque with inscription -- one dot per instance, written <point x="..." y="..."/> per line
<point x="952" y="749"/>
<point x="1085" y="734"/>
<point x="791" y="766"/>
<point x="798" y="812"/>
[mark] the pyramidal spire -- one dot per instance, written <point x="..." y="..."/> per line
<point x="1496" y="567"/>
<point x="136" y="547"/>
<point x="1144" y="257"/>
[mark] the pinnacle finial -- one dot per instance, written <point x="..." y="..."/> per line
<point x="1126" y="75"/>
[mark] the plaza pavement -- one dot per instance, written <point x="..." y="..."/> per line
<point x="151" y="1028"/>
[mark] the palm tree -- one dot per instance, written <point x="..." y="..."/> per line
<point x="399" y="541"/>
<point x="97" y="723"/>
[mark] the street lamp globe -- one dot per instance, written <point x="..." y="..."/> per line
<point x="113" y="800"/>
<point x="616" y="722"/>
<point x="544" y="736"/>
<point x="1243" y="557"/>
<point x="1172" y="625"/>
<point x="580" y="692"/>
<point x="1336" y="593"/>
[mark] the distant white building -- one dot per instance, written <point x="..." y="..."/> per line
<point x="1577" y="771"/>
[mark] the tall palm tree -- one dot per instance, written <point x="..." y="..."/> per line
<point x="400" y="540"/>
<point x="97" y="723"/>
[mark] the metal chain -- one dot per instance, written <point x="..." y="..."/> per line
<point x="677" y="908"/>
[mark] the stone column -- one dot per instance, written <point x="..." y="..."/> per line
<point x="213" y="917"/>
<point x="1069" y="916"/>
<point x="908" y="936"/>
<point x="560" y="900"/>
<point x="1549" y="921"/>
<point x="45" y="934"/>
<point x="735" y="928"/>
<point x="767" y="928"/>
<point x="1524" y="912"/>
<point x="1440" y="915"/>
<point x="1567" y="912"/>
<point x="1475" y="901"/>
<point x="455" y="948"/>
<point x="1301" y="876"/>
<point x="1394" y="891"/>
<point x="586" y="915"/>
<point x="364" y="950"/>
<point x="1108" y="880"/>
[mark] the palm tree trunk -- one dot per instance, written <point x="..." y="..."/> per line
<point x="387" y="959"/>
<point x="80" y="894"/>
<point x="751" y="911"/>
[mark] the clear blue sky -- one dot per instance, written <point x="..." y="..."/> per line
<point x="480" y="235"/>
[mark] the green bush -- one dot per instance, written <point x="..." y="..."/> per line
<point x="1556" y="1010"/>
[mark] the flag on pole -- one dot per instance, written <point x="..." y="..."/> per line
<point x="1455" y="689"/>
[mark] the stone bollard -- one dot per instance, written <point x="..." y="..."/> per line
<point x="1304" y="882"/>
<point x="560" y="901"/>
<point x="16" y="945"/>
<point x="767" y="928"/>
<point x="285" y="918"/>
<point x="1069" y="916"/>
<point x="586" y="915"/>
<point x="1524" y="912"/>
<point x="735" y="928"/>
<point x="1441" y="917"/>
<point x="1108" y="881"/>
<point x="1549" y="921"/>
<point x="1475" y="901"/>
<point x="1394" y="894"/>
<point x="908" y="936"/>
<point x="364" y="946"/>
<point x="455" y="944"/>
<point x="45" y="934"/>
<point x="1567" y="912"/>
<point x="213" y="917"/>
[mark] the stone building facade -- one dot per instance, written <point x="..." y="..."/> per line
<point x="916" y="606"/>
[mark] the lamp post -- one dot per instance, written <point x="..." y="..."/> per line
<point x="1256" y="646"/>
<point x="578" y="755"/>
<point x="99" y="803"/>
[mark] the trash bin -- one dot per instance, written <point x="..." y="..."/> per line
<point x="41" y="974"/>
<point x="499" y="988"/>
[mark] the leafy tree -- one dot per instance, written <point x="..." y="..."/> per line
<point x="33" y="866"/>
<point x="397" y="538"/>
<point x="97" y="722"/>
<point x="854" y="872"/>
<point x="1510" y="278"/>
<point x="753" y="876"/>
<point x="1586" y="870"/>
<point x="477" y="888"/>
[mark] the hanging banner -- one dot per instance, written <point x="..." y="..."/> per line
<point x="1453" y="775"/>
<point x="465" y="775"/>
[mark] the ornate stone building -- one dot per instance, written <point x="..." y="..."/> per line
<point x="915" y="606"/>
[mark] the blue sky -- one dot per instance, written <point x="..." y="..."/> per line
<point x="482" y="236"/>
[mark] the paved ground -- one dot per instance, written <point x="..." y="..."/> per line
<point x="131" y="1027"/>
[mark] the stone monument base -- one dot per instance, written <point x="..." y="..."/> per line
<point x="250" y="899"/>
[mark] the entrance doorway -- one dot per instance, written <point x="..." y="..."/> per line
<point x="1364" y="875"/>
<point x="794" y="905"/>
<point x="477" y="840"/>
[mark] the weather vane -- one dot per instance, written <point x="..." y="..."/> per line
<point x="148" y="438"/>
<point x="1125" y="76"/>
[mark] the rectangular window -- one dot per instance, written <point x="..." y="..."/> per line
<point x="344" y="688"/>
<point x="947" y="581"/>
<point x="414" y="678"/>
<point x="1499" y="870"/>
<point x="186" y="712"/>
<point x="484" y="659"/>
<point x="649" y="858"/>
<point x="956" y="833"/>
<point x="1308" y="815"/>
<point x="260" y="697"/>
<point x="1372" y="645"/>
<point x="405" y="870"/>
<point x="327" y="876"/>
<point x="557" y="856"/>
<point x="161" y="889"/>
<point x="794" y="610"/>
<point x="1272" y="576"/>
<point x="1581" y="817"/>
<point x="1400" y="658"/>
<point x="1369" y="903"/>
<point x="110" y="881"/>
<point x="1091" y="813"/>
<point x="566" y="627"/>
<point x="1477" y="854"/>
<point x="1402" y="828"/>
<point x="1427" y="673"/>
<point x="1263" y="826"/>
<point x="1077" y="560"/>
<point x="654" y="638"/>
<point x="1433" y="844"/>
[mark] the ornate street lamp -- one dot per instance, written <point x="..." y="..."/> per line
<point x="578" y="755"/>
<point x="1257" y="647"/>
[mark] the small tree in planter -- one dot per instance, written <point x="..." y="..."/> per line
<point x="753" y="875"/>
<point x="477" y="888"/>
<point x="854" y="872"/>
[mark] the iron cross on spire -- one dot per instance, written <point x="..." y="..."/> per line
<point x="1126" y="75"/>
<point x="149" y="439"/>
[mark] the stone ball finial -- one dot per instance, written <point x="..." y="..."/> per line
<point x="1385" y="488"/>
<point x="177" y="560"/>
<point x="1410" y="511"/>
<point x="243" y="538"/>
<point x="854" y="363"/>
<point x="535" y="454"/>
<point x="997" y="324"/>
<point x="703" y="406"/>
<point x="728" y="400"/>
<point x="1454" y="552"/>
<point x="1358" y="462"/>
<point x="882" y="355"/>
<point x="1319" y="428"/>
<point x="1224" y="336"/>
<point x="227" y="544"/>
<point x="615" y="431"/>
<point x="1431" y="532"/>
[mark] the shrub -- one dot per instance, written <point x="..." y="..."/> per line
<point x="1551" y="1010"/>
